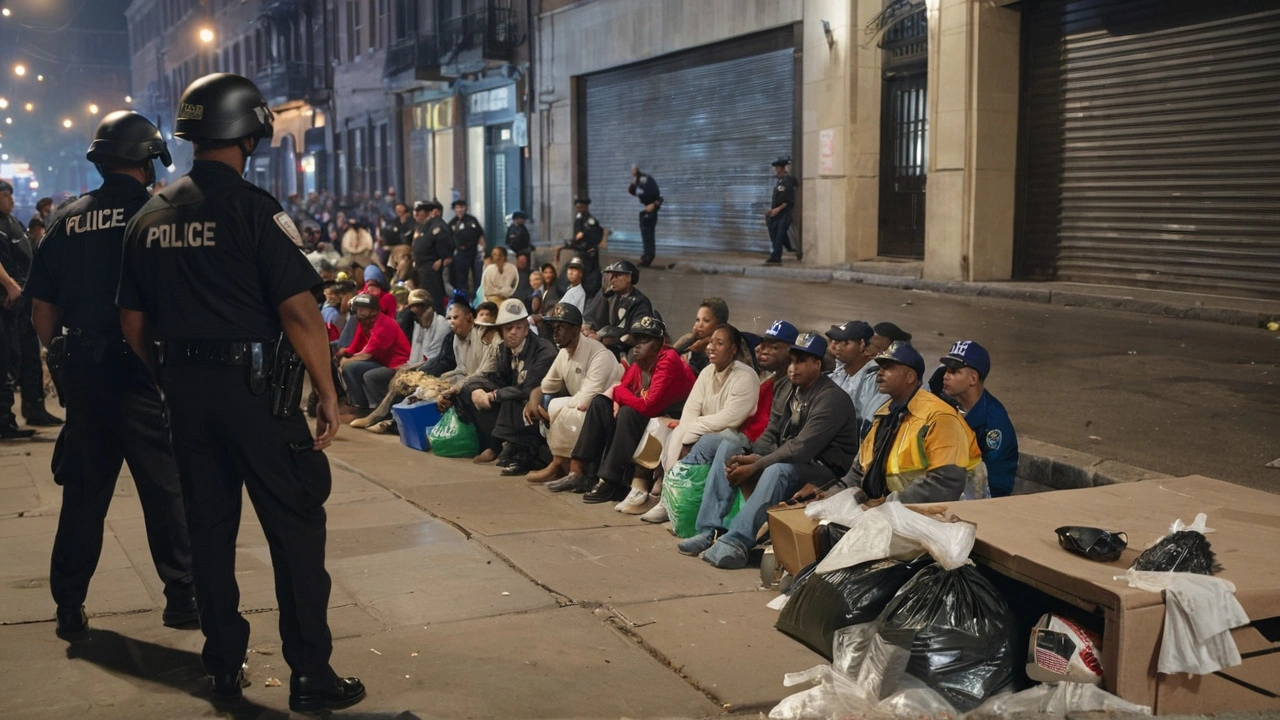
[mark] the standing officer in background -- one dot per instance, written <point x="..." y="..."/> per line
<point x="518" y="241"/>
<point x="10" y="296"/>
<point x="645" y="188"/>
<point x="778" y="218"/>
<point x="587" y="236"/>
<point x="19" y="335"/>
<point x="432" y="250"/>
<point x="468" y="236"/>
<point x="211" y="270"/>
<point x="114" y="412"/>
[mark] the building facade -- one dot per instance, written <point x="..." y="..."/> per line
<point x="1131" y="143"/>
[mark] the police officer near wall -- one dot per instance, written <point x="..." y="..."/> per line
<point x="432" y="251"/>
<point x="211" y="271"/>
<point x="114" y="412"/>
<point x="587" y="236"/>
<point x="468" y="258"/>
<point x="645" y="188"/>
<point x="781" y="205"/>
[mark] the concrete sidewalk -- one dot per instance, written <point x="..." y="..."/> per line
<point x="456" y="593"/>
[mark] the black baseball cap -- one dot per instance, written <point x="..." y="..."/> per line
<point x="892" y="332"/>
<point x="851" y="330"/>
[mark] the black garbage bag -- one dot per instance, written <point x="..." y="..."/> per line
<point x="1183" y="551"/>
<point x="961" y="633"/>
<point x="826" y="602"/>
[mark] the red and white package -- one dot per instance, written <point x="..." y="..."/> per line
<point x="1062" y="651"/>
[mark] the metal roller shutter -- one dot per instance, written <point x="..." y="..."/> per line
<point x="1150" y="151"/>
<point x="707" y="129"/>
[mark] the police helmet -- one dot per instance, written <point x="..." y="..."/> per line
<point x="625" y="267"/>
<point x="222" y="106"/>
<point x="126" y="136"/>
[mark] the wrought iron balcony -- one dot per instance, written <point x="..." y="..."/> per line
<point x="420" y="54"/>
<point x="286" y="81"/>
<point x="474" y="41"/>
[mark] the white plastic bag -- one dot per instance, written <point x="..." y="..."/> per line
<point x="835" y="695"/>
<point x="1197" y="525"/>
<point x="1200" y="612"/>
<point x="894" y="531"/>
<point x="1054" y="701"/>
<point x="842" y="508"/>
<point x="849" y="646"/>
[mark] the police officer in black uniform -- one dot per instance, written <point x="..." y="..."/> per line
<point x="645" y="188"/>
<point x="211" y="271"/>
<point x="10" y="300"/>
<point x="518" y="235"/>
<point x="468" y="238"/>
<point x="587" y="236"/>
<point x="18" y="333"/>
<point x="432" y="251"/>
<point x="114" y="414"/>
<point x="778" y="217"/>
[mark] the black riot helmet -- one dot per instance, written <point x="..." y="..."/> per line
<point x="125" y="136"/>
<point x="222" y="107"/>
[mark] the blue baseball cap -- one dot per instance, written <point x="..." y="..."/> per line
<point x="782" y="331"/>
<point x="967" y="353"/>
<point x="901" y="353"/>
<point x="812" y="343"/>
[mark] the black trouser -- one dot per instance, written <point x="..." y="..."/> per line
<point x="611" y="441"/>
<point x="433" y="282"/>
<point x="591" y="279"/>
<point x="114" y="416"/>
<point x="29" y="367"/>
<point x="502" y="421"/>
<point x="8" y="361"/>
<point x="464" y="270"/>
<point x="648" y="224"/>
<point x="778" y="239"/>
<point x="224" y="437"/>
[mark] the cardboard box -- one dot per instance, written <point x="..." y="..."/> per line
<point x="794" y="536"/>
<point x="1016" y="538"/>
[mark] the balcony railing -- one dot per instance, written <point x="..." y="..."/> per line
<point x="419" y="53"/>
<point x="285" y="81"/>
<point x="473" y="41"/>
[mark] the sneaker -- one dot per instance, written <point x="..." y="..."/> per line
<point x="657" y="514"/>
<point x="386" y="427"/>
<point x="696" y="545"/>
<point x="568" y="482"/>
<point x="363" y="422"/>
<point x="646" y="503"/>
<point x="726" y="555"/>
<point x="634" y="497"/>
<point x="604" y="491"/>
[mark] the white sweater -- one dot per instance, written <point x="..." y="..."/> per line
<point x="718" y="401"/>
<point x="498" y="286"/>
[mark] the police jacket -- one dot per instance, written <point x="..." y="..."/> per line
<point x="466" y="231"/>
<point x="17" y="251"/>
<point x="645" y="188"/>
<point x="622" y="311"/>
<point x="431" y="242"/>
<point x="784" y="191"/>
<point x="518" y="238"/>
<point x="77" y="266"/>
<point x="592" y="233"/>
<point x="211" y="257"/>
<point x="518" y="373"/>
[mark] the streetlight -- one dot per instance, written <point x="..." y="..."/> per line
<point x="4" y="104"/>
<point x="29" y="107"/>
<point x="93" y="109"/>
<point x="128" y="98"/>
<point x="67" y="123"/>
<point x="19" y="69"/>
<point x="40" y="78"/>
<point x="8" y="121"/>
<point x="206" y="35"/>
<point x="5" y="12"/>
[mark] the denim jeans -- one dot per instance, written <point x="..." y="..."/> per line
<point x="718" y="495"/>
<point x="354" y="373"/>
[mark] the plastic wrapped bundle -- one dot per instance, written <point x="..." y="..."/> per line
<point x="1182" y="551"/>
<point x="826" y="602"/>
<point x="962" y="635"/>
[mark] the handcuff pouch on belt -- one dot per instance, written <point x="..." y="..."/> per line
<point x="287" y="374"/>
<point x="55" y="357"/>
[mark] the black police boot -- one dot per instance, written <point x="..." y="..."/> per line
<point x="73" y="623"/>
<point x="230" y="686"/>
<point x="309" y="693"/>
<point x="13" y="432"/>
<point x="180" y="611"/>
<point x="37" y="416"/>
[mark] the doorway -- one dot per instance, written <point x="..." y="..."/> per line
<point x="904" y="135"/>
<point x="502" y="167"/>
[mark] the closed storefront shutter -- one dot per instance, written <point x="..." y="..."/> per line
<point x="707" y="125"/>
<point x="1150" y="151"/>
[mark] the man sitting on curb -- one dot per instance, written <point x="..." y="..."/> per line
<point x="865" y="388"/>
<point x="623" y="303"/>
<point x="962" y="383"/>
<point x="495" y="399"/>
<point x="818" y="440"/>
<point x="429" y="333"/>
<point x="583" y="370"/>
<point x="918" y="450"/>
<point x="377" y="350"/>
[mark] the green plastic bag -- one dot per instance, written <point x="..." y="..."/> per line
<point x="682" y="491"/>
<point x="453" y="438"/>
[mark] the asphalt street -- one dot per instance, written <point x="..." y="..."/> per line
<point x="1176" y="396"/>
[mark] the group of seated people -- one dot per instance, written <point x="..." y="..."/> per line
<point x="598" y="400"/>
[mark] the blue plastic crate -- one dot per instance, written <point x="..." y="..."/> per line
<point x="415" y="421"/>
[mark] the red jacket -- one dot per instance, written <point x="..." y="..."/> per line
<point x="755" y="425"/>
<point x="671" y="382"/>
<point x="385" y="341"/>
